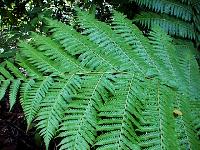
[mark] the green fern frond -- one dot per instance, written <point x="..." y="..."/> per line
<point x="36" y="93"/>
<point x="189" y="69"/>
<point x="10" y="81"/>
<point x="90" y="54"/>
<point x="78" y="130"/>
<point x="55" y="52"/>
<point x="120" y="116"/>
<point x="159" y="119"/>
<point x="112" y="43"/>
<point x="165" y="57"/>
<point x="24" y="90"/>
<point x="171" y="7"/>
<point x="15" y="70"/>
<point x="5" y="73"/>
<point x="3" y="88"/>
<point x="53" y="105"/>
<point x="171" y="25"/>
<point x="14" y="88"/>
<point x="40" y="61"/>
<point x="140" y="44"/>
<point x="185" y="132"/>
<point x="30" y="69"/>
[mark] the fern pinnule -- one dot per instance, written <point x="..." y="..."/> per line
<point x="3" y="88"/>
<point x="14" y="88"/>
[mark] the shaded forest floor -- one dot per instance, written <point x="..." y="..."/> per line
<point x="13" y="134"/>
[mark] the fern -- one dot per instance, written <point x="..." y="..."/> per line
<point x="169" y="24"/>
<point x="13" y="92"/>
<point x="34" y="97"/>
<point x="119" y="117"/>
<point x="4" y="86"/>
<point x="174" y="16"/>
<point x="108" y="87"/>
<point x="186" y="134"/>
<point x="171" y="7"/>
<point x="159" y="120"/>
<point x="79" y="124"/>
<point x="10" y="81"/>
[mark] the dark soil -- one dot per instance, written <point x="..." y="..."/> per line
<point x="13" y="134"/>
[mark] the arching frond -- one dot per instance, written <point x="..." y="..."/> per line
<point x="171" y="7"/>
<point x="171" y="25"/>
<point x="110" y="87"/>
<point x="112" y="44"/>
<point x="140" y="44"/>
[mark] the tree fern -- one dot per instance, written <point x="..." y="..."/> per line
<point x="108" y="87"/>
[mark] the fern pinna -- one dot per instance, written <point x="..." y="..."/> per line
<point x="108" y="87"/>
<point x="179" y="18"/>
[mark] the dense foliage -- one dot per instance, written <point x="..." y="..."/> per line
<point x="108" y="87"/>
<point x="180" y="18"/>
